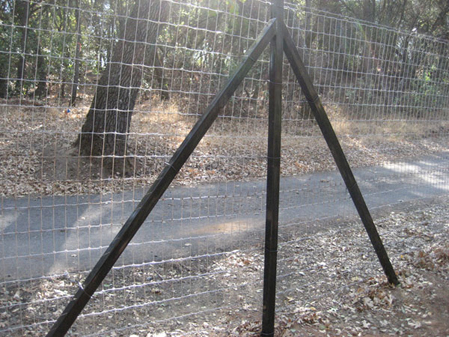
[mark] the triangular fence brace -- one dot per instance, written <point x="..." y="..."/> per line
<point x="277" y="35"/>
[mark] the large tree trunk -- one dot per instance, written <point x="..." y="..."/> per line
<point x="105" y="131"/>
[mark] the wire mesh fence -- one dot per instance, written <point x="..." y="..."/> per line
<point x="96" y="97"/>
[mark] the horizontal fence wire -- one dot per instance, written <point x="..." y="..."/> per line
<point x="96" y="97"/>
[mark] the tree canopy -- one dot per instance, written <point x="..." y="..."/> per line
<point x="40" y="40"/>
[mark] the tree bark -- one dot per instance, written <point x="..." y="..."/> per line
<point x="105" y="131"/>
<point x="23" y="10"/>
<point x="3" y="76"/>
<point x="41" y="89"/>
<point x="77" y="55"/>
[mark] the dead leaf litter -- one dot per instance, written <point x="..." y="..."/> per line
<point x="329" y="284"/>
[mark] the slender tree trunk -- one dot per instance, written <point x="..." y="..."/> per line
<point x="23" y="11"/>
<point x="77" y="56"/>
<point x="369" y="10"/>
<point x="3" y="78"/>
<point x="3" y="87"/>
<point x="41" y="89"/>
<point x="62" y="89"/>
<point x="159" y="75"/>
<point x="309" y="35"/>
<point x="106" y="128"/>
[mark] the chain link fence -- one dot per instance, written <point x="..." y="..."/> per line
<point x="96" y="96"/>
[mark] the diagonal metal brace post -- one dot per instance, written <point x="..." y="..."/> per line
<point x="149" y="201"/>
<point x="334" y="145"/>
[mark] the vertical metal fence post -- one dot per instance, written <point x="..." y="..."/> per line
<point x="273" y="172"/>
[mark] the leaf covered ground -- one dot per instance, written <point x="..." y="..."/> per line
<point x="38" y="157"/>
<point x="329" y="284"/>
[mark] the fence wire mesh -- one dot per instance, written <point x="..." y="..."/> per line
<point x="96" y="96"/>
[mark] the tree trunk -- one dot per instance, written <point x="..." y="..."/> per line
<point x="369" y="10"/>
<point x="3" y="76"/>
<point x="23" y="9"/>
<point x="41" y="90"/>
<point x="105" y="131"/>
<point x="77" y="57"/>
<point x="159" y="75"/>
<point x="309" y="34"/>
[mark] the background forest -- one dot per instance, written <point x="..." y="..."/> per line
<point x="57" y="43"/>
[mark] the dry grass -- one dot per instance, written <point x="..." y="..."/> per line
<point x="39" y="159"/>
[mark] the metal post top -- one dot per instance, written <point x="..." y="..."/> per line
<point x="278" y="9"/>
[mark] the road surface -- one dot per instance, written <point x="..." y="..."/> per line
<point x="51" y="235"/>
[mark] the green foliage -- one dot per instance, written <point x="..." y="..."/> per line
<point x="203" y="42"/>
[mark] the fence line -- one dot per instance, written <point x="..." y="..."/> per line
<point x="386" y="92"/>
